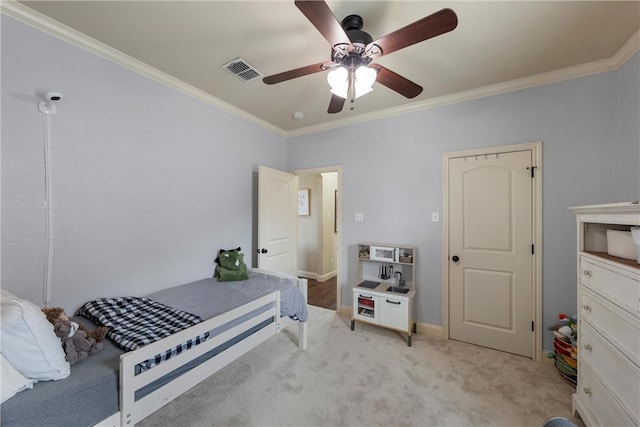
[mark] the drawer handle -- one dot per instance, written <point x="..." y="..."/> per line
<point x="588" y="347"/>
<point x="587" y="273"/>
<point x="393" y="302"/>
<point x="586" y="307"/>
<point x="365" y="296"/>
<point x="587" y="390"/>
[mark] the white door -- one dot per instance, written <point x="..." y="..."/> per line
<point x="491" y="289"/>
<point x="277" y="220"/>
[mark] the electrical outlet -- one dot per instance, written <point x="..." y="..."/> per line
<point x="359" y="216"/>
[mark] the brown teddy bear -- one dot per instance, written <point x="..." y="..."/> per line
<point x="76" y="342"/>
<point x="53" y="313"/>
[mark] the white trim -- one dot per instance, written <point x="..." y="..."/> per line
<point x="308" y="274"/>
<point x="616" y="61"/>
<point x="42" y="22"/>
<point x="316" y="276"/>
<point x="324" y="277"/>
<point x="536" y="154"/>
<point x="347" y="310"/>
<point x="431" y="331"/>
<point x="57" y="29"/>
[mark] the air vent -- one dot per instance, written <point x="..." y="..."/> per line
<point x="242" y="70"/>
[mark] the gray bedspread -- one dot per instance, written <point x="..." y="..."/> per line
<point x="208" y="297"/>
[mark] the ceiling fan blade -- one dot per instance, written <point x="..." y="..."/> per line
<point x="324" y="20"/>
<point x="336" y="104"/>
<point x="395" y="81"/>
<point x="433" y="25"/>
<point x="292" y="74"/>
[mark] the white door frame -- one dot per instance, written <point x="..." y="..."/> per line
<point x="536" y="155"/>
<point x="337" y="169"/>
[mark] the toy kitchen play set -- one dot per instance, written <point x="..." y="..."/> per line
<point x="385" y="293"/>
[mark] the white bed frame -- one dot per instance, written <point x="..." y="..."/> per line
<point x="132" y="411"/>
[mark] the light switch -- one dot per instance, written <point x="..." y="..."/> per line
<point x="435" y="216"/>
<point x="359" y="216"/>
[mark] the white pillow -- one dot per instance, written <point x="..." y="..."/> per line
<point x="12" y="381"/>
<point x="6" y="295"/>
<point x="28" y="340"/>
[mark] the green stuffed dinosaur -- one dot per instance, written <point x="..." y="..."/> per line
<point x="231" y="266"/>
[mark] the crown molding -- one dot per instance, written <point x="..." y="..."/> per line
<point x="35" y="19"/>
<point x="42" y="22"/>
<point x="609" y="64"/>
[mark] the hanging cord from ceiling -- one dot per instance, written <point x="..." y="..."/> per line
<point x="48" y="108"/>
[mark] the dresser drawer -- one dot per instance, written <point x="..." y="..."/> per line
<point x="620" y="285"/>
<point x="618" y="373"/>
<point x="621" y="328"/>
<point x="605" y="409"/>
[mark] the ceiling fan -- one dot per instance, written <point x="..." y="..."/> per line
<point x="353" y="50"/>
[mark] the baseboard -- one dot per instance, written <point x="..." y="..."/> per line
<point x="547" y="357"/>
<point x="325" y="277"/>
<point x="431" y="331"/>
<point x="317" y="277"/>
<point x="345" y="309"/>
<point x="308" y="275"/>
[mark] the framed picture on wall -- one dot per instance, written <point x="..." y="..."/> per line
<point x="303" y="202"/>
<point x="335" y="211"/>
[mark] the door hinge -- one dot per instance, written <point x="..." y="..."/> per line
<point x="533" y="249"/>
<point x="533" y="171"/>
<point x="533" y="326"/>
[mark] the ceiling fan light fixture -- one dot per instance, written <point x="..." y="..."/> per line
<point x="338" y="79"/>
<point x="365" y="78"/>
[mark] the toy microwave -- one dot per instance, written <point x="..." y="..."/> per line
<point x="384" y="253"/>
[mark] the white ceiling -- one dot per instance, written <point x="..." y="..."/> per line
<point x="497" y="46"/>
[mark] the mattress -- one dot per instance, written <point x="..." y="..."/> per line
<point x="208" y="297"/>
<point x="87" y="396"/>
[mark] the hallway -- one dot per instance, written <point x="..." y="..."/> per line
<point x="322" y="294"/>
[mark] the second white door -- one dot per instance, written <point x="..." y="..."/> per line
<point x="490" y="251"/>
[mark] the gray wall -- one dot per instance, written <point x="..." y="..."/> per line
<point x="149" y="183"/>
<point x="629" y="129"/>
<point x="392" y="172"/>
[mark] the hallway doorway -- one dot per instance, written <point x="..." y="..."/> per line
<point x="319" y="220"/>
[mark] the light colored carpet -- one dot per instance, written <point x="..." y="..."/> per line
<point x="370" y="377"/>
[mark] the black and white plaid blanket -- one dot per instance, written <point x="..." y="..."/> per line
<point x="134" y="322"/>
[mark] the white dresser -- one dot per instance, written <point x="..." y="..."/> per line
<point x="608" y="390"/>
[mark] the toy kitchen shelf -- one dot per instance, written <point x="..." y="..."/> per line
<point x="385" y="293"/>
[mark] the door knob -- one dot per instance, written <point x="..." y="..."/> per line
<point x="261" y="251"/>
<point x="455" y="258"/>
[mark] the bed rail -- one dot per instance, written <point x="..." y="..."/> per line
<point x="132" y="411"/>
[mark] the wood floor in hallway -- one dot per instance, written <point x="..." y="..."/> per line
<point x="322" y="294"/>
